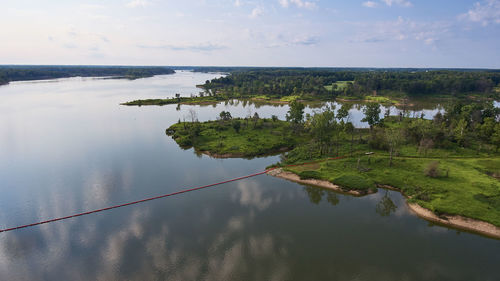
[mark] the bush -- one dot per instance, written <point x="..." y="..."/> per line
<point x="432" y="169"/>
<point x="354" y="182"/>
<point x="184" y="142"/>
<point x="309" y="175"/>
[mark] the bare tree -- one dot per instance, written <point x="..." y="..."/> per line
<point x="193" y="115"/>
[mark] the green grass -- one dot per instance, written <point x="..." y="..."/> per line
<point x="341" y="85"/>
<point x="464" y="186"/>
<point x="354" y="182"/>
<point x="219" y="137"/>
<point x="185" y="100"/>
<point x="380" y="99"/>
<point x="289" y="98"/>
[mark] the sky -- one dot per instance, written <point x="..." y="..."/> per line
<point x="308" y="33"/>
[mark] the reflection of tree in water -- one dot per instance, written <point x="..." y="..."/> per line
<point x="332" y="198"/>
<point x="316" y="194"/>
<point x="385" y="206"/>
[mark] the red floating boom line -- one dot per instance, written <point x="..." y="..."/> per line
<point x="134" y="202"/>
<point x="158" y="197"/>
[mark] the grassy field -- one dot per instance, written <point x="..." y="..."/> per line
<point x="341" y="85"/>
<point x="379" y="99"/>
<point x="464" y="187"/>
<point x="220" y="138"/>
<point x="183" y="100"/>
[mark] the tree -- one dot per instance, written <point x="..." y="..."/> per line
<point x="255" y="119"/>
<point x="296" y="114"/>
<point x="343" y="112"/>
<point x="460" y="131"/>
<point x="225" y="116"/>
<point x="393" y="136"/>
<point x="323" y="125"/>
<point x="237" y="125"/>
<point x="192" y="115"/>
<point x="372" y="114"/>
<point x="495" y="137"/>
<point x="350" y="129"/>
<point x="487" y="128"/>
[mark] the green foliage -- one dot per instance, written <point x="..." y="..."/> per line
<point x="354" y="182"/>
<point x="236" y="125"/>
<point x="296" y="112"/>
<point x="314" y="83"/>
<point x="372" y="114"/>
<point x="309" y="175"/>
<point x="470" y="189"/>
<point x="225" y="116"/>
<point x="233" y="140"/>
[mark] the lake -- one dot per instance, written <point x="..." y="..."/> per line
<point x="68" y="146"/>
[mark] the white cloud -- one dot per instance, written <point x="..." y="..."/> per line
<point x="238" y="3"/>
<point x="486" y="12"/>
<point x="137" y="3"/>
<point x="193" y="47"/>
<point x="370" y="4"/>
<point x="403" y="3"/>
<point x="401" y="29"/>
<point x="298" y="3"/>
<point x="256" y="12"/>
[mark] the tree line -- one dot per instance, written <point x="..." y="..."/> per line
<point x="23" y="73"/>
<point x="312" y="82"/>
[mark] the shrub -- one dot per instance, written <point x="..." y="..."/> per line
<point x="309" y="175"/>
<point x="432" y="169"/>
<point x="236" y="125"/>
<point x="354" y="182"/>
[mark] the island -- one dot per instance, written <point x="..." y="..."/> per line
<point x="385" y="86"/>
<point x="448" y="167"/>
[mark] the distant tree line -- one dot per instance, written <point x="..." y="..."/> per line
<point x="312" y="82"/>
<point x="22" y="73"/>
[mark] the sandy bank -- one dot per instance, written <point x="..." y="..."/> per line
<point x="454" y="221"/>
<point x="459" y="222"/>
<point x="321" y="183"/>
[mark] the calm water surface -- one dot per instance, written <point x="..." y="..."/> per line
<point x="68" y="146"/>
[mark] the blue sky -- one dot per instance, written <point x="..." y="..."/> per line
<point x="376" y="33"/>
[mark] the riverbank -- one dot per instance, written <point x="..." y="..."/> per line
<point x="315" y="182"/>
<point x="454" y="221"/>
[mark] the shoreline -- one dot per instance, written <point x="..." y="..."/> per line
<point x="453" y="221"/>
<point x="240" y="155"/>
<point x="279" y="173"/>
<point x="457" y="221"/>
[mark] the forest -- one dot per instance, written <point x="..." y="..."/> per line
<point x="331" y="83"/>
<point x="27" y="72"/>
